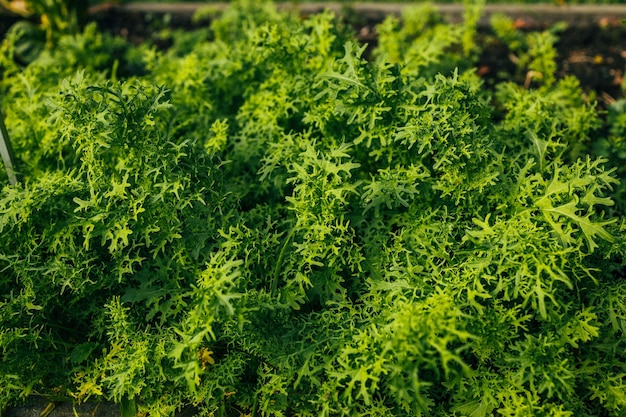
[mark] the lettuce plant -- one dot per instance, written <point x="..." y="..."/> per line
<point x="274" y="221"/>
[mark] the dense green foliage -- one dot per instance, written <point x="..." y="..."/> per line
<point x="261" y="221"/>
<point x="559" y="2"/>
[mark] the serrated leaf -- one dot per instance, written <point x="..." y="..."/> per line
<point x="478" y="408"/>
<point x="591" y="200"/>
<point x="590" y="229"/>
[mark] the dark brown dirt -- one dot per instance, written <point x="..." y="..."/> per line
<point x="594" y="55"/>
<point x="597" y="57"/>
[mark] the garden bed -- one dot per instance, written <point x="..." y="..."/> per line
<point x="283" y="221"/>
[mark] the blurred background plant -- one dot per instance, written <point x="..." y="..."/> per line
<point x="45" y="21"/>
